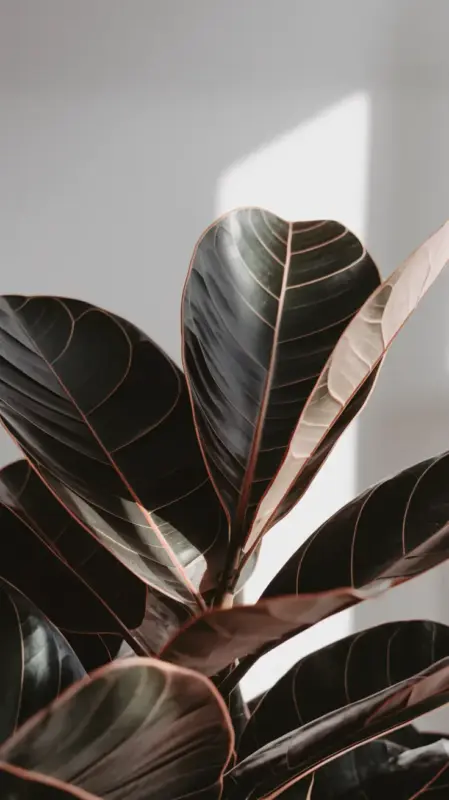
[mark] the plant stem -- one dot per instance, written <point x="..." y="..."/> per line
<point x="226" y="591"/>
<point x="227" y="600"/>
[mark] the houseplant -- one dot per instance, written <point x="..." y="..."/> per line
<point x="138" y="511"/>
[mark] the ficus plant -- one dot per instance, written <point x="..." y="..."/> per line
<point x="136" y="515"/>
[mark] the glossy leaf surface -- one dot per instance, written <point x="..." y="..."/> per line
<point x="379" y="770"/>
<point x="264" y="305"/>
<point x="19" y="784"/>
<point x="36" y="662"/>
<point x="94" y="650"/>
<point x="354" y="690"/>
<point x="138" y="729"/>
<point x="93" y="598"/>
<point x="214" y="640"/>
<point x="411" y="737"/>
<point x="390" y="533"/>
<point x="86" y="589"/>
<point x="351" y="365"/>
<point x="104" y="415"/>
<point x="422" y="773"/>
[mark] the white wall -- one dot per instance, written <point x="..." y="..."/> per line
<point x="125" y="127"/>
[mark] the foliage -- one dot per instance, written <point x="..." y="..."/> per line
<point x="137" y="513"/>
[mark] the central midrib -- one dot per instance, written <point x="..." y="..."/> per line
<point x="254" y="453"/>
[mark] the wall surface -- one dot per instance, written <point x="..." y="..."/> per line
<point x="126" y="127"/>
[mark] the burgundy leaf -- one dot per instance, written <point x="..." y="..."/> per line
<point x="214" y="640"/>
<point x="139" y="729"/>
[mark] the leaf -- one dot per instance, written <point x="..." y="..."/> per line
<point x="350" y="366"/>
<point x="104" y="416"/>
<point x="334" y="700"/>
<point x="36" y="664"/>
<point x="237" y="710"/>
<point x="139" y="729"/>
<point x="378" y="771"/>
<point x="211" y="642"/>
<point x="423" y="772"/>
<point x="85" y="589"/>
<point x="350" y="773"/>
<point x="411" y="737"/>
<point x="94" y="650"/>
<point x="264" y="305"/>
<point x="408" y="774"/>
<point x="87" y="592"/>
<point x="346" y="774"/>
<point x="19" y="784"/>
<point x="389" y="534"/>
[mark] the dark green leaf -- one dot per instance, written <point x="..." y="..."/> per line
<point x="346" y="774"/>
<point x="237" y="710"/>
<point x="19" y="784"/>
<point x="390" y="533"/>
<point x="94" y="650"/>
<point x="411" y="737"/>
<point x="139" y="729"/>
<point x="340" y="697"/>
<point x="380" y="770"/>
<point x="85" y="591"/>
<point x="104" y="415"/>
<point x="405" y="775"/>
<point x="76" y="582"/>
<point x="352" y="771"/>
<point x="36" y="662"/>
<point x="264" y="305"/>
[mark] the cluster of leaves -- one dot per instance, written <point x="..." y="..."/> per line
<point x="137" y="514"/>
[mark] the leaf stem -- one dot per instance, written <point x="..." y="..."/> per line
<point x="231" y="572"/>
<point x="227" y="600"/>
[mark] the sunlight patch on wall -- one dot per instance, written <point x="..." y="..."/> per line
<point x="318" y="170"/>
